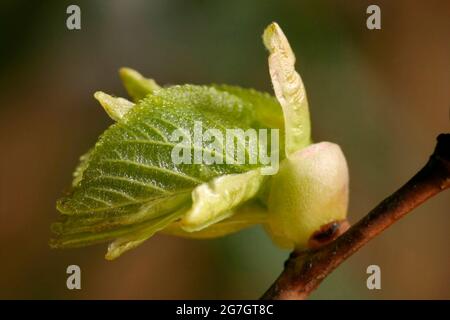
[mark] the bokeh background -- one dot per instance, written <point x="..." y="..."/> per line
<point x="382" y="95"/>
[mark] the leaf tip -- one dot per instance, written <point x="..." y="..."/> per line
<point x="275" y="40"/>
<point x="128" y="73"/>
<point x="116" y="108"/>
<point x="136" y="84"/>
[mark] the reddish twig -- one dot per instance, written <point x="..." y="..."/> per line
<point x="304" y="271"/>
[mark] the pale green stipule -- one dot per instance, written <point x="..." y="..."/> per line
<point x="311" y="187"/>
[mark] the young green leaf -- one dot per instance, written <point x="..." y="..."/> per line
<point x="129" y="181"/>
<point x="289" y="89"/>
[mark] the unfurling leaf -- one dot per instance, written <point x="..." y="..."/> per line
<point x="289" y="89"/>
<point x="128" y="186"/>
<point x="168" y="164"/>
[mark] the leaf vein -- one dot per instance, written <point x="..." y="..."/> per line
<point x="131" y="181"/>
<point x="147" y="166"/>
<point x="118" y="192"/>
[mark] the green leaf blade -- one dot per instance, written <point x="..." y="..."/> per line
<point x="129" y="178"/>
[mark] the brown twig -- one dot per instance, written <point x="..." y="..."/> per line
<point x="304" y="271"/>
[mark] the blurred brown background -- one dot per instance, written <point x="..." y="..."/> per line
<point x="382" y="95"/>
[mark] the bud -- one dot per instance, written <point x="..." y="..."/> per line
<point x="309" y="191"/>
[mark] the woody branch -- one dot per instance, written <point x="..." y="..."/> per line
<point x="304" y="271"/>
